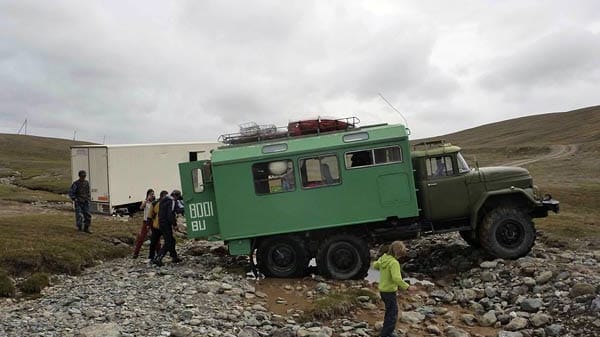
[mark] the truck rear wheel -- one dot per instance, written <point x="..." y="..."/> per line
<point x="343" y="257"/>
<point x="470" y="238"/>
<point x="282" y="256"/>
<point x="507" y="232"/>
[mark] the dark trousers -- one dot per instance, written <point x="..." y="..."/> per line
<point x="167" y="232"/>
<point x="154" y="247"/>
<point x="83" y="217"/>
<point x="391" y="313"/>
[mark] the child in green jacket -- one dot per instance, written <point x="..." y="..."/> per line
<point x="390" y="281"/>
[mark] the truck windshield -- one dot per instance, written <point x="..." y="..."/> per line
<point x="462" y="164"/>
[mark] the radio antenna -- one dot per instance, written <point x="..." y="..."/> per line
<point x="391" y="106"/>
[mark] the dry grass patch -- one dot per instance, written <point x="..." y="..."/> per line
<point x="35" y="283"/>
<point x="338" y="304"/>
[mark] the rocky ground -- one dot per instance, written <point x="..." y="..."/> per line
<point x="460" y="293"/>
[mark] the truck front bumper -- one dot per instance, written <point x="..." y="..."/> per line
<point x="547" y="204"/>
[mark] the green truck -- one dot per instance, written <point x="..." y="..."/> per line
<point x="331" y="193"/>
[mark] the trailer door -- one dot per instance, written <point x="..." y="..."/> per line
<point x="98" y="174"/>
<point x="79" y="161"/>
<point x="199" y="197"/>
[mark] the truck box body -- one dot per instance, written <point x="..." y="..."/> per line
<point x="358" y="195"/>
<point x="119" y="175"/>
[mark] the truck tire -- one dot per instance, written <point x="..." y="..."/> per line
<point x="282" y="256"/>
<point x="507" y="232"/>
<point x="470" y="238"/>
<point x="343" y="257"/>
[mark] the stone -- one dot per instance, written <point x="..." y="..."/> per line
<point x="246" y="332"/>
<point x="181" y="331"/>
<point x="595" y="306"/>
<point x="488" y="319"/>
<point x="456" y="332"/>
<point x="468" y="319"/>
<point x="490" y="292"/>
<point x="531" y="304"/>
<point x="517" y="323"/>
<point x="580" y="289"/>
<point x="509" y="334"/>
<point x="539" y="319"/>
<point x="529" y="281"/>
<point x="488" y="264"/>
<point x="487" y="276"/>
<point x="433" y="329"/>
<point x="101" y="330"/>
<point x="544" y="277"/>
<point x="554" y="330"/>
<point x="411" y="317"/>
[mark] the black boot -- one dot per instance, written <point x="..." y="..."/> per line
<point x="158" y="260"/>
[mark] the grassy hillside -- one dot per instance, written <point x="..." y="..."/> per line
<point x="572" y="176"/>
<point x="37" y="163"/>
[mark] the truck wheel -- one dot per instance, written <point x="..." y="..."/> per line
<point x="282" y="256"/>
<point x="470" y="238"/>
<point x="507" y="232"/>
<point x="343" y="257"/>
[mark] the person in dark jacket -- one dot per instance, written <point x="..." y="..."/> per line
<point x="80" y="194"/>
<point x="167" y="222"/>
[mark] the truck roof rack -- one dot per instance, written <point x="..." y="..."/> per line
<point x="252" y="132"/>
<point x="430" y="144"/>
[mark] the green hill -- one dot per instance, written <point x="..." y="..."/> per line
<point x="37" y="163"/>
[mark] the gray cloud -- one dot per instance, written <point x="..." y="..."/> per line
<point x="552" y="60"/>
<point x="190" y="70"/>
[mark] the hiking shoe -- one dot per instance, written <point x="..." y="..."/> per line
<point x="176" y="260"/>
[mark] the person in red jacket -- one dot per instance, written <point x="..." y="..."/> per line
<point x="146" y="226"/>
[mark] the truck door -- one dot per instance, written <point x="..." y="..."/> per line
<point x="445" y="190"/>
<point x="199" y="198"/>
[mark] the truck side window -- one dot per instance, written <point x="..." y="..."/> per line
<point x="439" y="166"/>
<point x="359" y="158"/>
<point x="197" y="180"/>
<point x="274" y="177"/>
<point x="319" y="171"/>
<point x="379" y="156"/>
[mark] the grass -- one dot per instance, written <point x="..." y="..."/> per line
<point x="7" y="287"/>
<point x="37" y="163"/>
<point x="50" y="243"/>
<point x="337" y="304"/>
<point x="35" y="283"/>
<point x="21" y="194"/>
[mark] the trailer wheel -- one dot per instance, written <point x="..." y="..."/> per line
<point x="470" y="238"/>
<point x="343" y="257"/>
<point x="507" y="232"/>
<point x="282" y="256"/>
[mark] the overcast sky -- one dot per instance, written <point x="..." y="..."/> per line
<point x="164" y="71"/>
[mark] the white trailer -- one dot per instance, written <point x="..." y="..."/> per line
<point x="120" y="175"/>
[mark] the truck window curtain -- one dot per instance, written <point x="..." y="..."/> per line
<point x="320" y="171"/>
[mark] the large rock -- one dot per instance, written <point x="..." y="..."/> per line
<point x="247" y="332"/>
<point x="580" y="289"/>
<point x="488" y="319"/>
<point x="554" y="330"/>
<point x="531" y="304"/>
<point x="101" y="330"/>
<point x="539" y="319"/>
<point x="411" y="317"/>
<point x="517" y="323"/>
<point x="181" y="331"/>
<point x="509" y="334"/>
<point x="544" y="277"/>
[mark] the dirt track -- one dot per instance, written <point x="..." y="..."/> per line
<point x="556" y="151"/>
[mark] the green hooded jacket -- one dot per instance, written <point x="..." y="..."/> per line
<point x="390" y="275"/>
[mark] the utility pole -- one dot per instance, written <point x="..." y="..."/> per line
<point x="23" y="128"/>
<point x="74" y="134"/>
